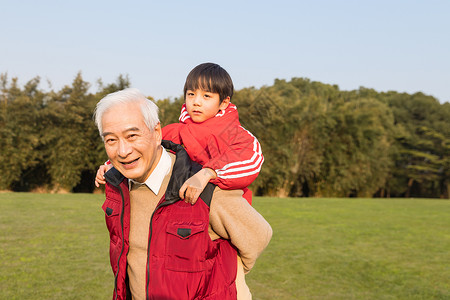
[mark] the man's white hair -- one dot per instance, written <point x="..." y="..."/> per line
<point x="149" y="109"/>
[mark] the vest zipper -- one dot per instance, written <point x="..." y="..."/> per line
<point x="165" y="203"/>
<point x="123" y="242"/>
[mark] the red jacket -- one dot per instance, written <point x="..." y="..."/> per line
<point x="182" y="262"/>
<point x="222" y="144"/>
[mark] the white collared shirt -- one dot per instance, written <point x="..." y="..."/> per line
<point x="154" y="181"/>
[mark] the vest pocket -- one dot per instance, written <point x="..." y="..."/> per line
<point x="186" y="246"/>
<point x="112" y="209"/>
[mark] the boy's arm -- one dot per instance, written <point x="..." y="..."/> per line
<point x="99" y="178"/>
<point x="236" y="162"/>
<point x="236" y="158"/>
<point x="194" y="186"/>
<point x="231" y="217"/>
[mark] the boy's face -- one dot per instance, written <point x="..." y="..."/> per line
<point x="202" y="105"/>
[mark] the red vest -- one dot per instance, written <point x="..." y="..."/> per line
<point x="182" y="262"/>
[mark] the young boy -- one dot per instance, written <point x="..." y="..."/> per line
<point x="210" y="131"/>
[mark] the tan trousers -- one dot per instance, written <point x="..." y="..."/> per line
<point x="243" y="292"/>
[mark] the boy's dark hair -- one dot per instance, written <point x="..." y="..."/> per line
<point x="211" y="78"/>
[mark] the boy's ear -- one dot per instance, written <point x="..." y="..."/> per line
<point x="224" y="103"/>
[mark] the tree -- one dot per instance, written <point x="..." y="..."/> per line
<point x="20" y="133"/>
<point x="71" y="135"/>
<point x="316" y="139"/>
<point x="356" y="156"/>
<point x="169" y="110"/>
<point x="421" y="143"/>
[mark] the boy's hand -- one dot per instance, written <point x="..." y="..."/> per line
<point x="193" y="187"/>
<point x="99" y="178"/>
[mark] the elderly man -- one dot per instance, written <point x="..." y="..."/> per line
<point x="160" y="247"/>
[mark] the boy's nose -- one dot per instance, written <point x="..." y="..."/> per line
<point x="197" y="100"/>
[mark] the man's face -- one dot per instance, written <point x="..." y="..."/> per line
<point x="132" y="148"/>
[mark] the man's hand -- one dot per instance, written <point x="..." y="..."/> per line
<point x="193" y="187"/>
<point x="99" y="178"/>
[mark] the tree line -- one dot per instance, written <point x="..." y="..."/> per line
<point x="317" y="139"/>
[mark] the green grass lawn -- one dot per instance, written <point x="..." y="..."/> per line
<point x="56" y="247"/>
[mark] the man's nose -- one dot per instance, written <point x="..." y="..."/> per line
<point x="124" y="148"/>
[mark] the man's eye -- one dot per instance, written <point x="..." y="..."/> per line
<point x="132" y="136"/>
<point x="110" y="141"/>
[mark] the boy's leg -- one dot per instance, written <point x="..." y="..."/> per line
<point x="243" y="292"/>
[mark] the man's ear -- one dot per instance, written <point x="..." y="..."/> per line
<point x="158" y="132"/>
<point x="224" y="103"/>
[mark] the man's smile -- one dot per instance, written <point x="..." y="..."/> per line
<point x="130" y="164"/>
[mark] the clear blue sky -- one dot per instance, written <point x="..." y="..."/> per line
<point x="386" y="45"/>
